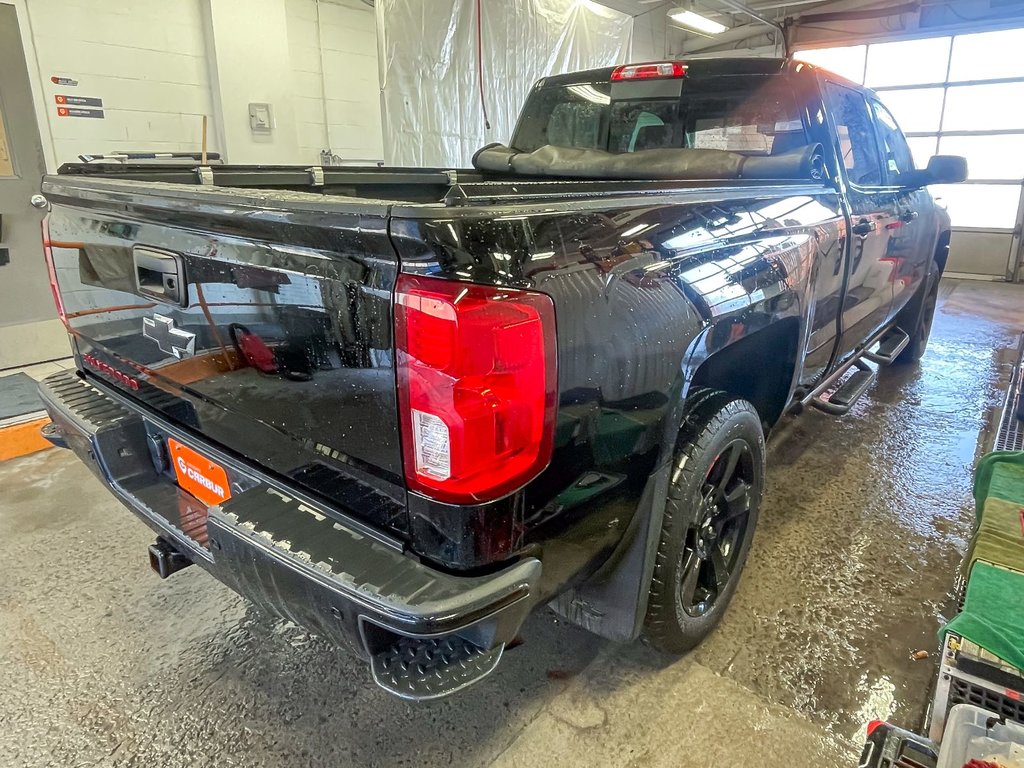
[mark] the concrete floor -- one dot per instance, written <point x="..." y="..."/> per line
<point x="865" y="519"/>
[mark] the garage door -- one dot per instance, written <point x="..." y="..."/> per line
<point x="957" y="95"/>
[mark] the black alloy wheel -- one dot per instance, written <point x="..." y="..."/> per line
<point x="712" y="550"/>
<point x="708" y="522"/>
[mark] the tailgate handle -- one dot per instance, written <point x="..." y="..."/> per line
<point x="160" y="275"/>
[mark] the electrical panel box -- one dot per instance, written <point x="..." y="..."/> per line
<point x="261" y="118"/>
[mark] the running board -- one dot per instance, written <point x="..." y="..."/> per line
<point x="840" y="401"/>
<point x="890" y="346"/>
<point x="429" y="668"/>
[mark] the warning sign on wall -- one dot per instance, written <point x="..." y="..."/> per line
<point x="79" y="112"/>
<point x="78" y="101"/>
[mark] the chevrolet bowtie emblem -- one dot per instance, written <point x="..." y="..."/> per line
<point x="171" y="340"/>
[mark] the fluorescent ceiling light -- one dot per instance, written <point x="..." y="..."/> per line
<point x="696" y="22"/>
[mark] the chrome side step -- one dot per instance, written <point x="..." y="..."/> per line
<point x="892" y="343"/>
<point x="838" y="402"/>
<point x="837" y="398"/>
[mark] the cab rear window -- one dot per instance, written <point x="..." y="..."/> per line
<point x="754" y="115"/>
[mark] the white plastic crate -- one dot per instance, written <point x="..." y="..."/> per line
<point x="973" y="733"/>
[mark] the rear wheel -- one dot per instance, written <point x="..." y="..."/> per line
<point x="921" y="321"/>
<point x="710" y="515"/>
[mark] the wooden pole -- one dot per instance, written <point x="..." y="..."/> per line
<point x="204" y="139"/>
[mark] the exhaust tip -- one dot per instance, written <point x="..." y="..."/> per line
<point x="164" y="559"/>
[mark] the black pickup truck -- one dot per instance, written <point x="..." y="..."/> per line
<point x="405" y="407"/>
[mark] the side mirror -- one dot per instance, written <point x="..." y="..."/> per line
<point x="942" y="169"/>
<point x="947" y="169"/>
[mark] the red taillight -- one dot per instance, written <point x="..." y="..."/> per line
<point x="476" y="386"/>
<point x="51" y="270"/>
<point x="647" y="71"/>
<point x="874" y="726"/>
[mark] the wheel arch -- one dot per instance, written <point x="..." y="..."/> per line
<point x="613" y="603"/>
<point x="759" y="367"/>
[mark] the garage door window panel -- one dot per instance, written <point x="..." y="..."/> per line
<point x="958" y="95"/>
<point x="923" y="148"/>
<point x="847" y="61"/>
<point x="987" y="56"/>
<point x="981" y="206"/>
<point x="917" y="110"/>
<point x="907" y="62"/>
<point x="988" y="157"/>
<point x="991" y="107"/>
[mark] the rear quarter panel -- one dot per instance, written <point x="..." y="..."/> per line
<point x="644" y="291"/>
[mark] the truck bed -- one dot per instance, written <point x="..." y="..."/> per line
<point x="448" y="187"/>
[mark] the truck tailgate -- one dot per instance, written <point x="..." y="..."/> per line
<point x="260" y="320"/>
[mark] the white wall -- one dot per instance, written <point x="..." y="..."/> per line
<point x="145" y="59"/>
<point x="247" y="44"/>
<point x="159" y="65"/>
<point x="347" y="31"/>
<point x="649" y="34"/>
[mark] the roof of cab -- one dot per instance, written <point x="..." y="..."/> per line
<point x="736" y="65"/>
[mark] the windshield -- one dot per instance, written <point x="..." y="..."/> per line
<point x="748" y="114"/>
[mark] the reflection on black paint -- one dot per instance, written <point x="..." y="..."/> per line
<point x="642" y="293"/>
<point x="312" y="293"/>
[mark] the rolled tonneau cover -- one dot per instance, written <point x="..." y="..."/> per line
<point x="801" y="163"/>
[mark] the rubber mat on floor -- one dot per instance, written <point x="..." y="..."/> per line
<point x="18" y="396"/>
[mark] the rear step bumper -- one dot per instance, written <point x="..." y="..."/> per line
<point x="427" y="633"/>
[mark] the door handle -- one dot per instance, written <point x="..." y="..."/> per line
<point x="908" y="216"/>
<point x="159" y="275"/>
<point x="863" y="228"/>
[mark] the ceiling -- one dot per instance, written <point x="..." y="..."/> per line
<point x="714" y="9"/>
<point x="743" y="31"/>
<point x="813" y="23"/>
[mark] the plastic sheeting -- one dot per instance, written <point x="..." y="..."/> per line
<point x="428" y="67"/>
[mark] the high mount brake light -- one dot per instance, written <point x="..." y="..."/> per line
<point x="649" y="71"/>
<point x="476" y="387"/>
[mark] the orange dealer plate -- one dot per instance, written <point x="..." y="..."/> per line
<point x="204" y="479"/>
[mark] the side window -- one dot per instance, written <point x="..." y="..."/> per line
<point x="896" y="156"/>
<point x="858" y="145"/>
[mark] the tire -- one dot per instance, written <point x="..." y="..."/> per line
<point x="920" y="321"/>
<point x="705" y="537"/>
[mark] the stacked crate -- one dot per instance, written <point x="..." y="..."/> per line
<point x="983" y="647"/>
